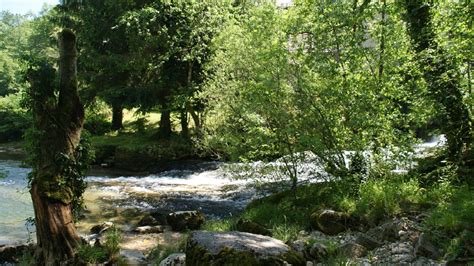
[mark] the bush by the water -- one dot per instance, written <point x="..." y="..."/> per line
<point x="14" y="120"/>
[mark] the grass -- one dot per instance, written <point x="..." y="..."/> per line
<point x="455" y="214"/>
<point x="160" y="252"/>
<point x="223" y="225"/>
<point x="108" y="252"/>
<point x="373" y="202"/>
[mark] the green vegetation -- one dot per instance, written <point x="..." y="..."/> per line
<point x="160" y="252"/>
<point x="243" y="81"/>
<point x="108" y="252"/>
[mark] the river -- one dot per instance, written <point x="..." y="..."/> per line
<point x="109" y="197"/>
<point x="210" y="187"/>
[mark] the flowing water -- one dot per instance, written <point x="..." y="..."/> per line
<point x="122" y="199"/>
<point x="209" y="187"/>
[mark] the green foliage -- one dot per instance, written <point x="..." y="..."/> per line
<point x="223" y="225"/>
<point x="73" y="171"/>
<point x="14" y="119"/>
<point x="27" y="258"/>
<point x="454" y="213"/>
<point x="91" y="254"/>
<point x="97" y="121"/>
<point x="381" y="199"/>
<point x="112" y="243"/>
<point x="160" y="252"/>
<point x="109" y="252"/>
<point x="277" y="87"/>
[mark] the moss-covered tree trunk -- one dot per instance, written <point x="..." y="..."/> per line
<point x="442" y="77"/>
<point x="59" y="121"/>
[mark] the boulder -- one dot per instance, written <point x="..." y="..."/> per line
<point x="180" y="221"/>
<point x="329" y="222"/>
<point x="318" y="252"/>
<point x="101" y="228"/>
<point x="238" y="248"/>
<point x="368" y="242"/>
<point x="248" y="226"/>
<point x="160" y="217"/>
<point x="12" y="254"/>
<point x="175" y="259"/>
<point x="300" y="247"/>
<point x="147" y="229"/>
<point x="147" y="220"/>
<point x="352" y="250"/>
<point x="424" y="247"/>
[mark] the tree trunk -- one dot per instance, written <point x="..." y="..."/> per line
<point x="117" y="116"/>
<point x="165" y="124"/>
<point x="60" y="128"/>
<point x="184" y="124"/>
<point x="443" y="83"/>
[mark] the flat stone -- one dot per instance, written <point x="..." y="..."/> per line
<point x="369" y="242"/>
<point x="147" y="229"/>
<point x="231" y="248"/>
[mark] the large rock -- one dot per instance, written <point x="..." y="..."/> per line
<point x="248" y="226"/>
<point x="318" y="251"/>
<point x="238" y="248"/>
<point x="180" y="221"/>
<point x="12" y="254"/>
<point x="175" y="259"/>
<point x="424" y="247"/>
<point x="329" y="222"/>
<point x="352" y="250"/>
<point x="149" y="229"/>
<point x="101" y="228"/>
<point x="368" y="242"/>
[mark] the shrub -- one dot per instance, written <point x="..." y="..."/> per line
<point x="455" y="214"/>
<point x="14" y="121"/>
<point x="112" y="242"/>
<point x="383" y="198"/>
<point x="92" y="254"/>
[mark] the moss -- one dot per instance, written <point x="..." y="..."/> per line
<point x="56" y="191"/>
<point x="197" y="255"/>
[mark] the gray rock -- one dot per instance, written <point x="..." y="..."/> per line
<point x="183" y="220"/>
<point x="147" y="220"/>
<point x="300" y="247"/>
<point x="238" y="248"/>
<point x="101" y="228"/>
<point x="149" y="229"/>
<point x="424" y="247"/>
<point x="244" y="225"/>
<point x="329" y="222"/>
<point x="175" y="259"/>
<point x="368" y="242"/>
<point x="318" y="251"/>
<point x="352" y="250"/>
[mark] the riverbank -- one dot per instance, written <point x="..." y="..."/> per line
<point x="391" y="218"/>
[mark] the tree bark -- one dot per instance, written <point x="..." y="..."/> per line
<point x="60" y="127"/>
<point x="184" y="124"/>
<point x="117" y="116"/>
